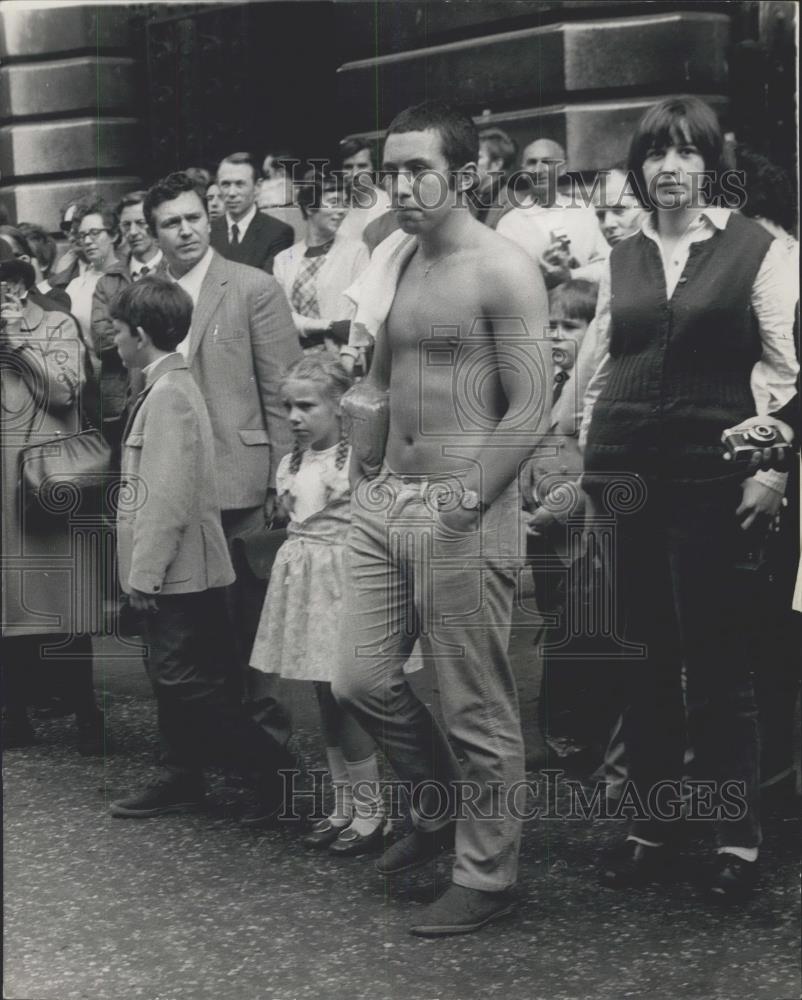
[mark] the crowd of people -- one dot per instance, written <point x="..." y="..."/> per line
<point x="346" y="408"/>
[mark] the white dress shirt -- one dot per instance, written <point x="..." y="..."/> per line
<point x="191" y="283"/>
<point x="775" y="293"/>
<point x="135" y="266"/>
<point x="241" y="224"/>
<point x="531" y="228"/>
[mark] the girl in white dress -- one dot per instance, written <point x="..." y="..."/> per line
<point x="297" y="634"/>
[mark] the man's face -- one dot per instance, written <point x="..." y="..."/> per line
<point x="417" y="178"/>
<point x="618" y="210"/>
<point x="360" y="163"/>
<point x="238" y="187"/>
<point x="543" y="159"/>
<point x="182" y="231"/>
<point x="135" y="230"/>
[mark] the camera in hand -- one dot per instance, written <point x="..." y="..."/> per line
<point x="742" y="444"/>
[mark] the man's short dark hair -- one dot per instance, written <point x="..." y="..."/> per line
<point x="500" y="147"/>
<point x="458" y="134"/>
<point x="132" y="198"/>
<point x="355" y="144"/>
<point x="167" y="189"/>
<point x="240" y="159"/>
<point x="160" y="306"/>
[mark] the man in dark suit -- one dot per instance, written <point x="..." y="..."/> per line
<point x="240" y="339"/>
<point x="244" y="234"/>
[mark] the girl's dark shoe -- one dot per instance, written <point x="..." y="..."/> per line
<point x="350" y="844"/>
<point x="322" y="834"/>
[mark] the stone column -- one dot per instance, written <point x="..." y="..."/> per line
<point x="68" y="108"/>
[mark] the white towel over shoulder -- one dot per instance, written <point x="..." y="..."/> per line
<point x="373" y="292"/>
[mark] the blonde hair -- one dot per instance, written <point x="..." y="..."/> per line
<point x="328" y="372"/>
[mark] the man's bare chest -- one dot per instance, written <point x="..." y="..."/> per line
<point x="427" y="310"/>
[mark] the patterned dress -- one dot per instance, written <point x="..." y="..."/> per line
<point x="301" y="615"/>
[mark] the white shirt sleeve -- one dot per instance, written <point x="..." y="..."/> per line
<point x="602" y="347"/>
<point x="775" y="294"/>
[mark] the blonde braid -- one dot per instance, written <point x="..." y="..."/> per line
<point x="295" y="459"/>
<point x="342" y="450"/>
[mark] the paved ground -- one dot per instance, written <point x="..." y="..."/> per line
<point x="195" y="908"/>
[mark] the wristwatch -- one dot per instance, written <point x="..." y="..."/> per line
<point x="470" y="500"/>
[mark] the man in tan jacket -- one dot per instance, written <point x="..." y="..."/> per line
<point x="241" y="338"/>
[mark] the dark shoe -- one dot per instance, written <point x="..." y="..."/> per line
<point x="461" y="911"/>
<point x="733" y="879"/>
<point x="273" y="801"/>
<point x="350" y="844"/>
<point x="94" y="740"/>
<point x="322" y="834"/>
<point x="632" y="864"/>
<point x="17" y="733"/>
<point x="165" y="795"/>
<point x="415" y="850"/>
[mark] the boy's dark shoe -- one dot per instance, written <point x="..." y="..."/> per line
<point x="733" y="879"/>
<point x="461" y="911"/>
<point x="414" y="850"/>
<point x="632" y="864"/>
<point x="165" y="795"/>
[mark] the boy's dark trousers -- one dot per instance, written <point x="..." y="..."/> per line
<point x="201" y="718"/>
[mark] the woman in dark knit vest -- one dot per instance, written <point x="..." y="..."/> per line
<point x="697" y="320"/>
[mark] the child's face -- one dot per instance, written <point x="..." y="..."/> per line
<point x="566" y="337"/>
<point x="127" y="344"/>
<point x="314" y="417"/>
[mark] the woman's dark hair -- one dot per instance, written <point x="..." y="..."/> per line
<point x="167" y="189"/>
<point x="459" y="136"/>
<point x="42" y="244"/>
<point x="160" y="306"/>
<point x="678" y="121"/>
<point x="311" y="190"/>
<point x="16" y="234"/>
<point x="768" y="188"/>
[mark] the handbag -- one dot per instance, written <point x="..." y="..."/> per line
<point x="64" y="474"/>
<point x="67" y="473"/>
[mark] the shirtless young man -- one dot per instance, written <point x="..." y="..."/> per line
<point x="434" y="549"/>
